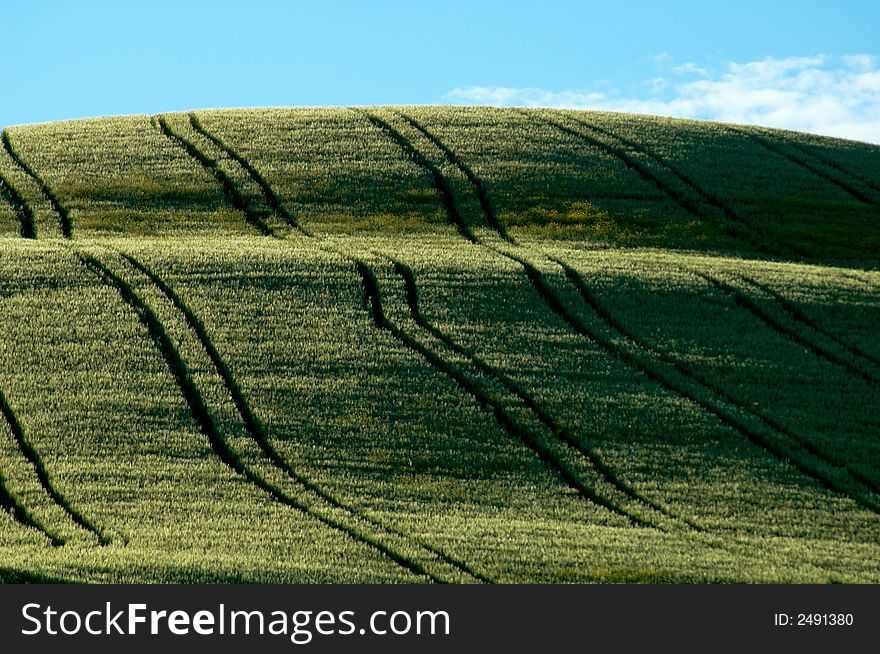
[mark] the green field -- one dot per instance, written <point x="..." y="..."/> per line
<point x="408" y="345"/>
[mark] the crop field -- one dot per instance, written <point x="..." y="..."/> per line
<point x="437" y="345"/>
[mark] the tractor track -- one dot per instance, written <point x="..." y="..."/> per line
<point x="230" y="190"/>
<point x="202" y="415"/>
<point x="550" y="298"/>
<point x="30" y="453"/>
<point x="803" y="163"/>
<point x="249" y="419"/>
<point x="744" y="301"/>
<point x="515" y="389"/>
<point x="802" y="318"/>
<point x="372" y="295"/>
<point x="63" y="214"/>
<point x="835" y="165"/>
<point x="371" y="289"/>
<point x="22" y="210"/>
<point x="257" y="431"/>
<point x="269" y="195"/>
<point x="22" y="516"/>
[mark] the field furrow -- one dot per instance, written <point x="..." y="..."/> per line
<point x="22" y="211"/>
<point x="63" y="215"/>
<point x="746" y="301"/>
<point x="804" y="163"/>
<point x="230" y="190"/>
<point x="317" y="500"/>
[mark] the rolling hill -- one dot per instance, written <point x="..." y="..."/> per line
<point x="445" y="344"/>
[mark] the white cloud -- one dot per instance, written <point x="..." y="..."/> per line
<point x="837" y="96"/>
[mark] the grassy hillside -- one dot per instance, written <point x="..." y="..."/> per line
<point x="437" y="344"/>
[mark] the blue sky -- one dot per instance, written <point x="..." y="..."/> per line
<point x="800" y="64"/>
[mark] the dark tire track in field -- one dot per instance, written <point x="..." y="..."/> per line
<point x="533" y="405"/>
<point x="255" y="428"/>
<point x="229" y="188"/>
<point x="20" y="513"/>
<point x="447" y="198"/>
<point x="802" y="318"/>
<point x="550" y="298"/>
<point x="833" y="164"/>
<point x="266" y="189"/>
<point x="371" y="290"/>
<point x="13" y="576"/>
<point x="721" y="414"/>
<point x="688" y="181"/>
<point x="454" y="215"/>
<point x="202" y="415"/>
<point x="482" y="196"/>
<point x="23" y="213"/>
<point x="241" y="404"/>
<point x="30" y="453"/>
<point x="686" y="371"/>
<point x="739" y="227"/>
<point x="63" y="214"/>
<point x="803" y="163"/>
<point x="743" y="300"/>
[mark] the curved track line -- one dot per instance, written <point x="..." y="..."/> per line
<point x="371" y="289"/>
<point x="557" y="306"/>
<point x="515" y="389"/>
<point x="685" y="179"/>
<point x="750" y="232"/>
<point x="276" y="458"/>
<point x="686" y="371"/>
<point x="802" y="318"/>
<point x="229" y="189"/>
<point x="835" y="165"/>
<point x="772" y="147"/>
<point x="255" y="428"/>
<point x="743" y="300"/>
<point x="21" y="208"/>
<point x="451" y="207"/>
<point x="485" y="204"/>
<point x="268" y="192"/>
<point x="202" y="415"/>
<point x="33" y="457"/>
<point x="440" y="183"/>
<point x="19" y="512"/>
<point x="60" y="209"/>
